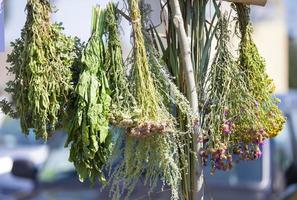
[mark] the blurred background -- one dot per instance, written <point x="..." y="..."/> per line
<point x="31" y="169"/>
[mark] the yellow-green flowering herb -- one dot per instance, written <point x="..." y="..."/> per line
<point x="259" y="83"/>
<point x="41" y="63"/>
<point x="89" y="135"/>
<point x="153" y="118"/>
<point x="123" y="103"/>
<point x="156" y="157"/>
<point x="151" y="149"/>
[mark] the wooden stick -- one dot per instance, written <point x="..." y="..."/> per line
<point x="250" y="2"/>
<point x="196" y="169"/>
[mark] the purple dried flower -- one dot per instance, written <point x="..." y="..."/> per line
<point x="226" y="111"/>
<point x="257" y="104"/>
<point x="258" y="153"/>
<point x="227" y="127"/>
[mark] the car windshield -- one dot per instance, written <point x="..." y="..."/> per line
<point x="242" y="172"/>
<point x="57" y="167"/>
<point x="11" y="135"/>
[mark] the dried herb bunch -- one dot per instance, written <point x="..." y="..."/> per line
<point x="89" y="135"/>
<point x="153" y="117"/>
<point x="123" y="107"/>
<point x="258" y="82"/>
<point x="240" y="111"/>
<point x="151" y="150"/>
<point x="41" y="62"/>
<point x="151" y="159"/>
<point x="171" y="95"/>
<point x="230" y="109"/>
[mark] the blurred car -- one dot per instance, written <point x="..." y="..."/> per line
<point x="271" y="177"/>
<point x="13" y="146"/>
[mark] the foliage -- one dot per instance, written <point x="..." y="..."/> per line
<point x="151" y="148"/>
<point x="123" y="107"/>
<point x="229" y="110"/>
<point x="239" y="110"/>
<point x="89" y="124"/>
<point x="90" y="91"/>
<point x="259" y="83"/>
<point x="41" y="62"/>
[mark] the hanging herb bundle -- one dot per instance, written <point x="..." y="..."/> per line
<point x="151" y="148"/>
<point x="151" y="159"/>
<point x="240" y="111"/>
<point x="153" y="117"/>
<point x="123" y="103"/>
<point x="259" y="83"/>
<point x="41" y="62"/>
<point x="230" y="111"/>
<point x="89" y="125"/>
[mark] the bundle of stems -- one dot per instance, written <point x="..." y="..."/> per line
<point x="240" y="111"/>
<point x="230" y="109"/>
<point x="89" y="134"/>
<point x="201" y="33"/>
<point x="151" y="149"/>
<point x="123" y="107"/>
<point x="41" y="62"/>
<point x="153" y="117"/>
<point x="259" y="83"/>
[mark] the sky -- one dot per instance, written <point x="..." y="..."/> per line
<point x="76" y="17"/>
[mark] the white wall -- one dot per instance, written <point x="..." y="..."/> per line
<point x="271" y="37"/>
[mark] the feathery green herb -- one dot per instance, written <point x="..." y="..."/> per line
<point x="41" y="62"/>
<point x="123" y="108"/>
<point x="151" y="149"/>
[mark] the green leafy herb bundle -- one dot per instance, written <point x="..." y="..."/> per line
<point x="41" y="62"/>
<point x="259" y="83"/>
<point x="89" y="135"/>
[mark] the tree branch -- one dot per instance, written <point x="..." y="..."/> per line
<point x="186" y="51"/>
